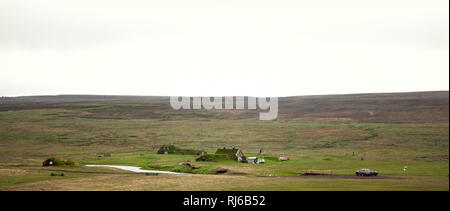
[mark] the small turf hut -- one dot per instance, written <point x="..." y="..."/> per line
<point x="204" y="158"/>
<point x="232" y="154"/>
<point x="171" y="149"/>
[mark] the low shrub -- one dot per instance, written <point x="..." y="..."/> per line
<point x="57" y="162"/>
<point x="220" y="170"/>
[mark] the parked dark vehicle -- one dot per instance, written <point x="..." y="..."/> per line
<point x="366" y="172"/>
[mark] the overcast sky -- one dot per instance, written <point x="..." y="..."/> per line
<point x="227" y="47"/>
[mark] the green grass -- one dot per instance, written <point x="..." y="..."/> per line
<point x="81" y="133"/>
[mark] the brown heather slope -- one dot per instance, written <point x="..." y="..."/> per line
<point x="411" y="107"/>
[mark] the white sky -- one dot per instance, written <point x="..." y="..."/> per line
<point x="227" y="47"/>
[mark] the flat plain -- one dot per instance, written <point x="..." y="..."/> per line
<point x="342" y="133"/>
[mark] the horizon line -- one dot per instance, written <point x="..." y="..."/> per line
<point x="285" y="96"/>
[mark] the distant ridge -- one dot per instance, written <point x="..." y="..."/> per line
<point x="407" y="107"/>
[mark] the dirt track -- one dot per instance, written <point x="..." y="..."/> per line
<point x="342" y="177"/>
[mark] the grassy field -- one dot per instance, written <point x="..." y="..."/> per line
<point x="389" y="131"/>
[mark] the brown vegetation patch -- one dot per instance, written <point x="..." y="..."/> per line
<point x="328" y="132"/>
<point x="12" y="172"/>
<point x="133" y="182"/>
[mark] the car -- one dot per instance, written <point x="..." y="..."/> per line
<point x="366" y="172"/>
